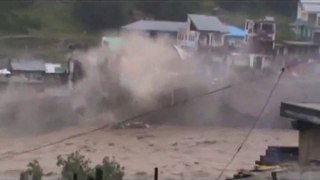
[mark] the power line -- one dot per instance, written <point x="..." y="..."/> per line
<point x="253" y="125"/>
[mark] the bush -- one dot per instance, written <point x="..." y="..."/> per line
<point x="34" y="170"/>
<point x="75" y="164"/>
<point x="111" y="169"/>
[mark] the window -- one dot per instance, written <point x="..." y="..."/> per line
<point x="316" y="37"/>
<point x="312" y="18"/>
<point x="268" y="28"/>
<point x="191" y="37"/>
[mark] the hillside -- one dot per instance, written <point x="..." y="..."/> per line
<point x="47" y="26"/>
<point x="79" y="17"/>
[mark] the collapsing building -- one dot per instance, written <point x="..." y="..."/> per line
<point x="259" y="44"/>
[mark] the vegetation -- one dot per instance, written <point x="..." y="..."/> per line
<point x="75" y="163"/>
<point x="81" y="17"/>
<point x="52" y="23"/>
<point x="34" y="171"/>
<point x="111" y="169"/>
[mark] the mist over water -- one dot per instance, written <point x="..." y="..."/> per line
<point x="140" y="77"/>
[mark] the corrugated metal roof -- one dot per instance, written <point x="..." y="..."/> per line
<point x="28" y="65"/>
<point x="148" y="25"/>
<point x="309" y="1"/>
<point x="52" y="68"/>
<point x="113" y="42"/>
<point x="235" y="31"/>
<point x="207" y="23"/>
<point x="311" y="5"/>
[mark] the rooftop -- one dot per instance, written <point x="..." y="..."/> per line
<point x="207" y="23"/>
<point x="152" y="25"/>
<point x="308" y="112"/>
<point x="235" y="31"/>
<point x="311" y="5"/>
<point x="27" y="65"/>
<point x="113" y="42"/>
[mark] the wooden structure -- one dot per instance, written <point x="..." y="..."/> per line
<point x="307" y="120"/>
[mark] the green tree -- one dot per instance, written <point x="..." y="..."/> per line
<point x="97" y="16"/>
<point x="170" y="9"/>
<point x="11" y="21"/>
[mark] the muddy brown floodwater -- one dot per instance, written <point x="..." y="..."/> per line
<point x="178" y="151"/>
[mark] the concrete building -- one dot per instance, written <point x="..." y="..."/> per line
<point x="306" y="118"/>
<point x="260" y="35"/>
<point x="309" y="11"/>
<point x="257" y="51"/>
<point x="306" y="28"/>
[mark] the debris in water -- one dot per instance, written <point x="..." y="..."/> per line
<point x="128" y="125"/>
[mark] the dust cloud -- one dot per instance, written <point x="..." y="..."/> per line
<point x="139" y="77"/>
<point x="143" y="75"/>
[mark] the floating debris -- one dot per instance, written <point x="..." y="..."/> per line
<point x="128" y="125"/>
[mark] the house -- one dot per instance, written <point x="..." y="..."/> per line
<point x="259" y="42"/>
<point x="309" y="11"/>
<point x="234" y="38"/>
<point x="260" y="35"/>
<point x="202" y="31"/>
<point x="306" y="28"/>
<point x="55" y="73"/>
<point x="256" y="51"/>
<point x="27" y="70"/>
<point x="155" y="28"/>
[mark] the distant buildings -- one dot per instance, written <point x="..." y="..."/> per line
<point x="306" y="28"/>
<point x="33" y="72"/>
<point x="199" y="32"/>
<point x="27" y="70"/>
<point x="155" y="28"/>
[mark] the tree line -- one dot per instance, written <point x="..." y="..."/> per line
<point x="98" y="15"/>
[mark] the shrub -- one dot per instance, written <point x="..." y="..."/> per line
<point x="75" y="163"/>
<point x="111" y="169"/>
<point x="34" y="170"/>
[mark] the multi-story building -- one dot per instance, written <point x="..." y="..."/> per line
<point x="259" y="43"/>
<point x="307" y="31"/>
<point x="260" y="35"/>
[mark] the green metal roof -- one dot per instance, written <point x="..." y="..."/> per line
<point x="113" y="42"/>
<point x="59" y="70"/>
